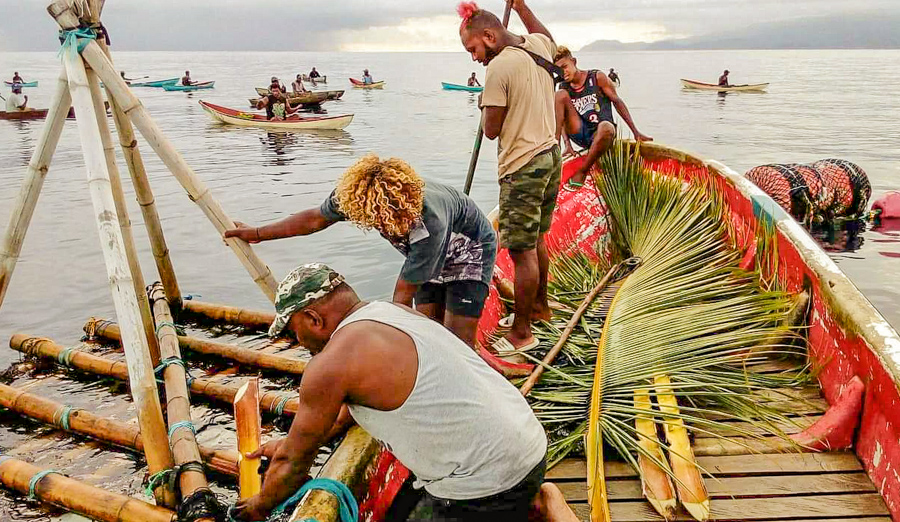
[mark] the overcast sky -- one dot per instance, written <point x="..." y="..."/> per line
<point x="399" y="25"/>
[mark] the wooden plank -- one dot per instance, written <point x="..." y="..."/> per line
<point x="771" y="464"/>
<point x="737" y="487"/>
<point x="809" y="506"/>
<point x="711" y="446"/>
<point x="788" y="407"/>
<point x="740" y="428"/>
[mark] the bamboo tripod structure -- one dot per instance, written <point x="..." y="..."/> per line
<point x="79" y="86"/>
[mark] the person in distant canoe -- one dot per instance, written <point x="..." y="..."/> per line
<point x="613" y="76"/>
<point x="473" y="81"/>
<point x="449" y="245"/>
<point x="16" y="101"/>
<point x="277" y="83"/>
<point x="723" y="80"/>
<point x="474" y="446"/>
<point x="16" y="78"/>
<point x="314" y="74"/>
<point x="367" y="78"/>
<point x="584" y="113"/>
<point x="297" y="84"/>
<point x="277" y="106"/>
<point x="186" y="79"/>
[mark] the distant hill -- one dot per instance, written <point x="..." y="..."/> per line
<point x="868" y="31"/>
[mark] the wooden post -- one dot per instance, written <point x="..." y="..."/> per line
<point x="247" y="420"/>
<point x="72" y="495"/>
<point x="230" y="315"/>
<point x="137" y="352"/>
<point x="196" y="189"/>
<point x="115" y="182"/>
<point x="105" y="429"/>
<point x="26" y="201"/>
<point x="178" y="405"/>
<point x="145" y="199"/>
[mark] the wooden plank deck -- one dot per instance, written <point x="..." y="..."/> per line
<point x="762" y="481"/>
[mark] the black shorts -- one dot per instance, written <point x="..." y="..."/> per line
<point x="465" y="298"/>
<point x="512" y="505"/>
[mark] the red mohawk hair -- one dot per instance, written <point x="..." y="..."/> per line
<point x="466" y="10"/>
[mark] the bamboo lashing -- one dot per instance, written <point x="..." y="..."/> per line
<point x="111" y="431"/>
<point x="570" y="327"/>
<point x="267" y="361"/>
<point x="689" y="482"/>
<point x="178" y="405"/>
<point x="115" y="182"/>
<point x="656" y="484"/>
<point x="249" y="430"/>
<point x="273" y="402"/>
<point x="145" y="199"/>
<point x="196" y="189"/>
<point x="137" y="353"/>
<point x="72" y="495"/>
<point x="252" y="319"/>
<point x="26" y="200"/>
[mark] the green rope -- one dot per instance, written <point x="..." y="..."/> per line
<point x="279" y="406"/>
<point x="157" y="479"/>
<point x="65" y="356"/>
<point x="75" y="39"/>
<point x="163" y="324"/>
<point x="61" y="417"/>
<point x="181" y="425"/>
<point x="32" y="484"/>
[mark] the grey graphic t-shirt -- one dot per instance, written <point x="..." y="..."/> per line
<point x="452" y="241"/>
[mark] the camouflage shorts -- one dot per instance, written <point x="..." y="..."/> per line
<point x="527" y="200"/>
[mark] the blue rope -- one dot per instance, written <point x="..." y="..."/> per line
<point x="165" y="363"/>
<point x="62" y="415"/>
<point x="32" y="484"/>
<point x="347" y="505"/>
<point x="164" y="324"/>
<point x="65" y="356"/>
<point x="279" y="406"/>
<point x="76" y="39"/>
<point x="156" y="480"/>
<point x="180" y="425"/>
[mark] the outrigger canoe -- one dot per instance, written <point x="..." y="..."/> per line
<point x="305" y="97"/>
<point x="188" y="88"/>
<point x="357" y="84"/>
<point x="156" y="83"/>
<point x="24" y="84"/>
<point x="292" y="123"/>
<point x="854" y="351"/>
<point x="691" y="84"/>
<point x="456" y="87"/>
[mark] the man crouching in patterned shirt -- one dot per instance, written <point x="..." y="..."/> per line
<point x="449" y="244"/>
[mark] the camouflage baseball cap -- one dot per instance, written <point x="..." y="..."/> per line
<point x="304" y="285"/>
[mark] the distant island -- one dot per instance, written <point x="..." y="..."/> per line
<point x="870" y="31"/>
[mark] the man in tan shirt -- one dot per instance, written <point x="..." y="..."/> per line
<point x="519" y="108"/>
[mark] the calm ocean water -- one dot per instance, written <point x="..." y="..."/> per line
<point x="820" y="104"/>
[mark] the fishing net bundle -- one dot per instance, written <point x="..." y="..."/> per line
<point x="824" y="191"/>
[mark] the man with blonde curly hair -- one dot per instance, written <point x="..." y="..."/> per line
<point x="449" y="245"/>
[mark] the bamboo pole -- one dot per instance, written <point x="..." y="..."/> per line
<point x="247" y="420"/>
<point x="273" y="402"/>
<point x="26" y="201"/>
<point x="691" y="488"/>
<point x="143" y="384"/>
<point x="196" y="189"/>
<point x="145" y="199"/>
<point x="72" y="495"/>
<point x="267" y="361"/>
<point x="104" y="429"/>
<point x="178" y="405"/>
<point x="115" y="182"/>
<point x="656" y="484"/>
<point x="252" y="319"/>
<point x="350" y="463"/>
<point x="570" y="327"/>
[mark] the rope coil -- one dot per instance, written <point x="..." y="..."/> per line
<point x="65" y="356"/>
<point x="32" y="484"/>
<point x="182" y="425"/>
<point x="61" y="417"/>
<point x="163" y="324"/>
<point x="279" y="406"/>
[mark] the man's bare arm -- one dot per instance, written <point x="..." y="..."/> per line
<point x="531" y="22"/>
<point x="493" y="121"/>
<point x="302" y="223"/>
<point x="609" y="89"/>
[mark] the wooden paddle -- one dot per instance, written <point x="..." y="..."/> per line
<point x="479" y="136"/>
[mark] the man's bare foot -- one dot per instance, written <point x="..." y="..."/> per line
<point x="552" y="506"/>
<point x="541" y="312"/>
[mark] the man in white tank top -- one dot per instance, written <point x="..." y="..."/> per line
<point x="468" y="436"/>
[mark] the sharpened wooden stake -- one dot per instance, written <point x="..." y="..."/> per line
<point x="247" y="420"/>
<point x="26" y="201"/>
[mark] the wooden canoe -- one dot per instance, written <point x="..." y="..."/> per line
<point x="24" y="84"/>
<point x="357" y="84"/>
<point x="36" y="114"/>
<point x="846" y="337"/>
<point x="156" y="83"/>
<point x="321" y="79"/>
<point x="293" y="123"/>
<point x="691" y="84"/>
<point x="188" y="88"/>
<point x="302" y="97"/>
<point x="457" y="87"/>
